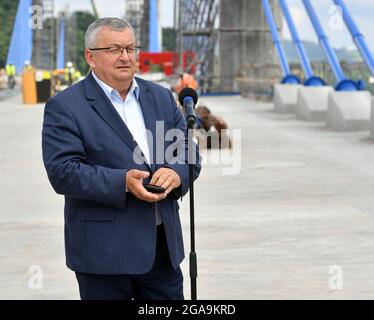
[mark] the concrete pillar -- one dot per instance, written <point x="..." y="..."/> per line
<point x="244" y="40"/>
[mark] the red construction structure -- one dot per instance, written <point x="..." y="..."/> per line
<point x="165" y="62"/>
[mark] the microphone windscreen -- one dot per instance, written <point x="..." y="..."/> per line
<point x="187" y="92"/>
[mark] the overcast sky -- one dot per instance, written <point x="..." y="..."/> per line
<point x="362" y="11"/>
<point x="116" y="8"/>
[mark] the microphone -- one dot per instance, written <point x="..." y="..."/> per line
<point x="188" y="99"/>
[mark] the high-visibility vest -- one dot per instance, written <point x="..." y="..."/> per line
<point x="46" y="75"/>
<point x="10" y="70"/>
<point x="77" y="75"/>
<point x="69" y="73"/>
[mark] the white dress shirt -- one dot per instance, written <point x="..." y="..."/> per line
<point x="131" y="114"/>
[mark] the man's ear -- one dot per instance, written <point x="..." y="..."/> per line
<point x="89" y="58"/>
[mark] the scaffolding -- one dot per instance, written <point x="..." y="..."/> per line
<point x="196" y="22"/>
<point x="44" y="39"/>
<point x="71" y="37"/>
<point x="134" y="15"/>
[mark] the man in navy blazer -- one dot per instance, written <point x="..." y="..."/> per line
<point x="102" y="139"/>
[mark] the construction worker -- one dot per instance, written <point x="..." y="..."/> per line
<point x="3" y="79"/>
<point x="185" y="80"/>
<point x="69" y="73"/>
<point x="11" y="72"/>
<point x="27" y="66"/>
<point x="77" y="75"/>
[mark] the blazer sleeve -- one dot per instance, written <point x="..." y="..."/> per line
<point x="65" y="161"/>
<point x="182" y="165"/>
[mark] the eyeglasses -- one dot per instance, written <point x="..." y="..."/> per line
<point x="116" y="51"/>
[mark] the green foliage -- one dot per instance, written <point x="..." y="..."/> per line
<point x="315" y="53"/>
<point x="84" y="19"/>
<point x="8" y="10"/>
<point x="168" y="39"/>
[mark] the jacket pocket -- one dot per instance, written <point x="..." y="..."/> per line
<point x="96" y="214"/>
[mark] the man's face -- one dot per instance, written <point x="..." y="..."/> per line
<point x="118" y="69"/>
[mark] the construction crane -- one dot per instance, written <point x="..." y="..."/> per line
<point x="94" y="9"/>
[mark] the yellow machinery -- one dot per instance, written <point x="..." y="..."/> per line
<point x="29" y="87"/>
<point x="58" y="81"/>
<point x="36" y="86"/>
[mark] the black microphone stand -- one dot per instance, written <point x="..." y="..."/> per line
<point x="193" y="256"/>
<point x="188" y="99"/>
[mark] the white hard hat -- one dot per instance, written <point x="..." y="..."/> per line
<point x="69" y="64"/>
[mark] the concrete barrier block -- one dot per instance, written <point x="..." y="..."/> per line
<point x="349" y="111"/>
<point x="285" y="98"/>
<point x="312" y="103"/>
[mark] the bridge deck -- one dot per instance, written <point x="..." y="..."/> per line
<point x="301" y="203"/>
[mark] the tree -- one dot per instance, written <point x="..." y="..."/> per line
<point x="168" y="39"/>
<point x="8" y="10"/>
<point x="84" y="19"/>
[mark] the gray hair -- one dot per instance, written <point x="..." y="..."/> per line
<point x="112" y="23"/>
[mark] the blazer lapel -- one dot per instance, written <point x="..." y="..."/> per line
<point x="106" y="110"/>
<point x="150" y="117"/>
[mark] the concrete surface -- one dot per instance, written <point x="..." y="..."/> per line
<point x="285" y="98"/>
<point x="312" y="103"/>
<point x="302" y="204"/>
<point x="372" y="119"/>
<point x="349" y="111"/>
<point x="8" y="93"/>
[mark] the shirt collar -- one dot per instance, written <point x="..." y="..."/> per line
<point x="108" y="90"/>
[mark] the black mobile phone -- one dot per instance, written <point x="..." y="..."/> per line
<point x="154" y="189"/>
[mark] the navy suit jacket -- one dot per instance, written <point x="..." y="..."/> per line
<point x="87" y="150"/>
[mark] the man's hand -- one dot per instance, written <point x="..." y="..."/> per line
<point x="134" y="180"/>
<point x="166" y="178"/>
